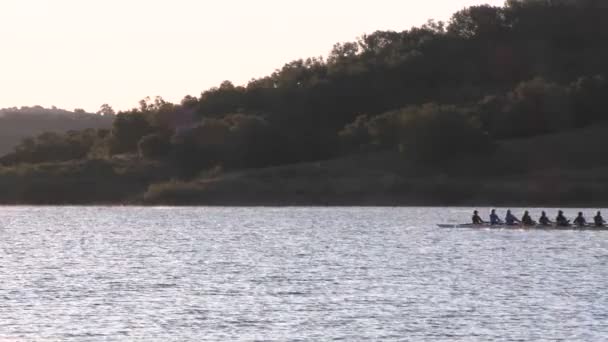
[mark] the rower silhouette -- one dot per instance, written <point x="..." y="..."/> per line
<point x="561" y="220"/>
<point x="599" y="220"/>
<point x="527" y="220"/>
<point x="494" y="219"/>
<point x="510" y="219"/>
<point x="580" y="220"/>
<point x="476" y="218"/>
<point x="544" y="220"/>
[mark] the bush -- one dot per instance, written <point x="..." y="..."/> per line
<point x="428" y="133"/>
<point x="127" y="130"/>
<point x="53" y="147"/>
<point x="435" y="134"/>
<point x="539" y="107"/>
<point x="154" y="146"/>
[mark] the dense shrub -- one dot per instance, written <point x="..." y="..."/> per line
<point x="127" y="130"/>
<point x="435" y="134"/>
<point x="428" y="133"/>
<point x="154" y="146"/>
<point x="53" y="147"/>
<point x="538" y="107"/>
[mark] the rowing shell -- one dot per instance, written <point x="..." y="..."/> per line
<point x="518" y="227"/>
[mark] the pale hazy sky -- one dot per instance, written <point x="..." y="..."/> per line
<point x="82" y="53"/>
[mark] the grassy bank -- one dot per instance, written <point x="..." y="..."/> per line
<point x="78" y="182"/>
<point x="306" y="186"/>
<point x="558" y="169"/>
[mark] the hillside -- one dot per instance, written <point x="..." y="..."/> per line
<point x="19" y="123"/>
<point x="498" y="105"/>
<point x="542" y="170"/>
<point x="548" y="169"/>
<point x="579" y="148"/>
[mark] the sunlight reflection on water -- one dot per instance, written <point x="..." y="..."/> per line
<point x="247" y="274"/>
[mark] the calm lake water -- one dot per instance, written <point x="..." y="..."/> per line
<point x="293" y="274"/>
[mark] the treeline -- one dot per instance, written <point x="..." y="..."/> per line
<point x="17" y="124"/>
<point x="434" y="132"/>
<point x="434" y="92"/>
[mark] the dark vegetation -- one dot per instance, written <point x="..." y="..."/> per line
<point x="473" y="110"/>
<point x="17" y="124"/>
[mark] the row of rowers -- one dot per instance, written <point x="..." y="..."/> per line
<point x="527" y="220"/>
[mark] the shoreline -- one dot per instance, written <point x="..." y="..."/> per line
<point x="273" y="204"/>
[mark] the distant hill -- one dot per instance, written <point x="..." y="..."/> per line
<point x="19" y="123"/>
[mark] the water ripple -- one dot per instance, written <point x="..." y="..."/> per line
<point x="293" y="274"/>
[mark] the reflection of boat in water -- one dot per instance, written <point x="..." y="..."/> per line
<point x="524" y="227"/>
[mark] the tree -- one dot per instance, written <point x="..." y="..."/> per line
<point x="342" y="52"/>
<point x="53" y="147"/>
<point x="154" y="146"/>
<point x="484" y="21"/>
<point x="589" y="100"/>
<point x="127" y="130"/>
<point x="106" y="109"/>
<point x="430" y="133"/>
<point x="355" y="136"/>
<point x="437" y="134"/>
